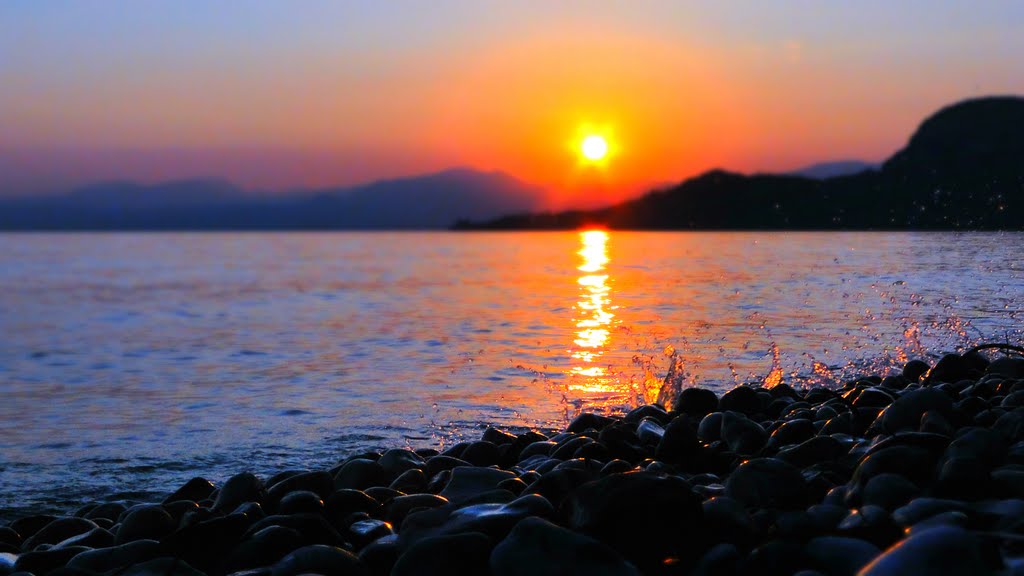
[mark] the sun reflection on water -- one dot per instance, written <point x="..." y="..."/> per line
<point x="593" y="318"/>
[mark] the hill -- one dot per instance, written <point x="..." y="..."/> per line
<point x="962" y="169"/>
<point x="419" y="202"/>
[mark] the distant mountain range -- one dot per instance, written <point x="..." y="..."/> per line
<point x="825" y="170"/>
<point x="420" y="202"/>
<point x="962" y="169"/>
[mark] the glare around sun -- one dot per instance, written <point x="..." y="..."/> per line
<point x="594" y="147"/>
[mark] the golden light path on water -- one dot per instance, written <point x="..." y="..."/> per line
<point x="593" y="318"/>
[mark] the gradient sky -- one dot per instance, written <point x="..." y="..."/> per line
<point x="283" y="95"/>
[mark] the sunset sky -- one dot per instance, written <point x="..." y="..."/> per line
<point x="284" y="95"/>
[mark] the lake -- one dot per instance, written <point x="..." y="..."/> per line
<point x="131" y="362"/>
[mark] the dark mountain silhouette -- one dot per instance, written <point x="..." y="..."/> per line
<point x="429" y="201"/>
<point x="824" y="170"/>
<point x="962" y="169"/>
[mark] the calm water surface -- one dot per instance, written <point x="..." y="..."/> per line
<point x="131" y="362"/>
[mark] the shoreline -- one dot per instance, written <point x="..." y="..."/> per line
<point x="756" y="480"/>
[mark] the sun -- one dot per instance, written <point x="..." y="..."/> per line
<point x="594" y="147"/>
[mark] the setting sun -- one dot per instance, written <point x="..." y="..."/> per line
<point x="594" y="147"/>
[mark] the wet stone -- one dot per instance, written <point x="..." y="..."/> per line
<point x="145" y="522"/>
<point x="942" y="550"/>
<point x="697" y="402"/>
<point x="240" y="488"/>
<point x="466" y="482"/>
<point x="452" y="555"/>
<point x="194" y="490"/>
<point x="536" y="547"/>
<point x="300" y="501"/>
<point x="767" y="483"/>
<point x="57" y="530"/>
<point x="319" y="559"/>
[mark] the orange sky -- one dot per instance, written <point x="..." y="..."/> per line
<point x="338" y="94"/>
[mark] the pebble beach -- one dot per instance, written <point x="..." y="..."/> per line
<point x="915" y="472"/>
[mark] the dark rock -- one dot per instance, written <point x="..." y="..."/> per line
<point x="941" y="550"/>
<point x="363" y="532"/>
<point x="397" y="461"/>
<point x="536" y="449"/>
<point x="314" y="528"/>
<point x="697" y="402"/>
<point x="319" y="559"/>
<point x="679" y="445"/>
<point x="42" y="562"/>
<point x="194" y="490"/>
<point x="915" y="369"/>
<point x="400" y="507"/>
<point x="963" y="479"/>
<point x="773" y="558"/>
<point x="558" y="484"/>
<point x="726" y="520"/>
<point x="710" y="427"/>
<point x="618" y="467"/>
<point x="589" y="420"/>
<point x="413" y="480"/>
<point x="513" y="485"/>
<point x="145" y="522"/>
<point x="838" y="556"/>
<point x="935" y="423"/>
<point x="536" y="547"/>
<point x="813" y="451"/>
<point x="650" y="431"/>
<point x="742" y="399"/>
<point x="493" y="520"/>
<point x="647" y="518"/>
<point x="452" y="555"/>
<point x="9" y="537"/>
<point x="116" y="557"/>
<point x="240" y="488"/>
<point x="110" y="511"/>
<point x="905" y="413"/>
<point x="436" y="464"/>
<point x="652" y="411"/>
<point x="767" y="483"/>
<point x="263" y="548"/>
<point x="57" y="530"/>
<point x="380" y="555"/>
<point x="467" y="482"/>
<point x="889" y="491"/>
<point x="205" y="543"/>
<point x="791" y="432"/>
<point x="873" y="397"/>
<point x="497" y="437"/>
<point x="742" y="435"/>
<point x="95" y="538"/>
<point x="872" y="524"/>
<point x="1007" y="367"/>
<point x="27" y="526"/>
<point x="569" y="447"/>
<point x="910" y="461"/>
<point x="344" y="502"/>
<point x="319" y="483"/>
<point x="299" y="501"/>
<point x="950" y="368"/>
<point x="720" y="560"/>
<point x="360" y="474"/>
<point x="383" y="494"/>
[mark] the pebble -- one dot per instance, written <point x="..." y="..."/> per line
<point x="536" y="547"/>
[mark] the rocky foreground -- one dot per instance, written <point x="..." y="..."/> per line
<point x="916" y="473"/>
